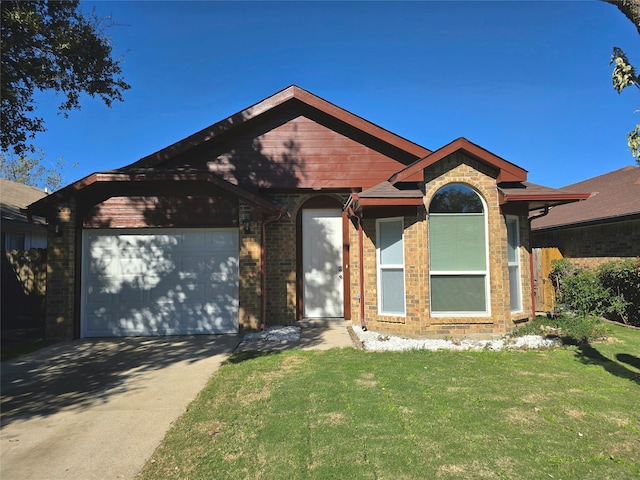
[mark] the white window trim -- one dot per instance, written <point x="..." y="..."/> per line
<point x="486" y="272"/>
<point x="380" y="267"/>
<point x="517" y="263"/>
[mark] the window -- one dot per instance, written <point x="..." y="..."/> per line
<point x="390" y="258"/>
<point x="13" y="241"/>
<point x="458" y="252"/>
<point x="513" y="239"/>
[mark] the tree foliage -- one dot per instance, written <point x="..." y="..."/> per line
<point x="51" y="45"/>
<point x="624" y="74"/>
<point x="32" y="169"/>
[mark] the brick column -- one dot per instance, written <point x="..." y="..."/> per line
<point x="61" y="263"/>
<point x="249" y="270"/>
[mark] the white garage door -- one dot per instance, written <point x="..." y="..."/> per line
<point x="159" y="282"/>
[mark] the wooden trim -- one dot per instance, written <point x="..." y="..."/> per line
<point x="385" y="202"/>
<point x="346" y="266"/>
<point x="77" y="273"/>
<point x="123" y="178"/>
<point x="509" y="172"/>
<point x="299" y="273"/>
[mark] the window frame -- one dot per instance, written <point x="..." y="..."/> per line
<point x="517" y="263"/>
<point x="486" y="274"/>
<point x="380" y="267"/>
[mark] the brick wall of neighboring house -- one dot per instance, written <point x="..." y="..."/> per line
<point x="591" y="246"/>
<point x="61" y="273"/>
<point x="418" y="320"/>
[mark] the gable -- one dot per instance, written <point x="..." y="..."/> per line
<point x="291" y="140"/>
<point x="506" y="171"/>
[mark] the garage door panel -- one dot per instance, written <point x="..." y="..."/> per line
<point x="160" y="282"/>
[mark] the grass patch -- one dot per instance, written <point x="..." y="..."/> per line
<point x="10" y="351"/>
<point x="570" y="412"/>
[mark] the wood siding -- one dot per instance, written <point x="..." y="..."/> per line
<point x="162" y="211"/>
<point x="298" y="148"/>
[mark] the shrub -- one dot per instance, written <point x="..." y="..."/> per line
<point x="532" y="327"/>
<point x="583" y="293"/>
<point x="571" y="329"/>
<point x="576" y="330"/>
<point x="613" y="290"/>
<point x="622" y="280"/>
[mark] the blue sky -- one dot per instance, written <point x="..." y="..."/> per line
<point x="529" y="81"/>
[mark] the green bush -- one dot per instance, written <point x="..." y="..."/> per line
<point x="583" y="293"/>
<point x="532" y="327"/>
<point x="612" y="290"/>
<point x="570" y="329"/>
<point x="622" y="281"/>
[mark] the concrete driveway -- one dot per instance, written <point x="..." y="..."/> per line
<point x="97" y="409"/>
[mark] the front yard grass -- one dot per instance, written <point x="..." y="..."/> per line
<point x="570" y="412"/>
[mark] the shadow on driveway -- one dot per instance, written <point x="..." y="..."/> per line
<point x="88" y="372"/>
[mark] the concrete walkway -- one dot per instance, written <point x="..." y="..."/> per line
<point x="98" y="408"/>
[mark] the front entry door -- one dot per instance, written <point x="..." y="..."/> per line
<point x="323" y="288"/>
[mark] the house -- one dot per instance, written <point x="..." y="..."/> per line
<point x="294" y="208"/>
<point x="23" y="267"/>
<point x="604" y="227"/>
<point x="17" y="232"/>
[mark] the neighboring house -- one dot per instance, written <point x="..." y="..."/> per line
<point x="23" y="273"/>
<point x="19" y="233"/>
<point x="604" y="227"/>
<point x="294" y="208"/>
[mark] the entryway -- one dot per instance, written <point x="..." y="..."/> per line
<point x="322" y="263"/>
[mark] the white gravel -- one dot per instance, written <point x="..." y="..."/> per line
<point x="377" y="342"/>
<point x="276" y="333"/>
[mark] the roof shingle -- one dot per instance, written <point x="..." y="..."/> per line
<point x="614" y="195"/>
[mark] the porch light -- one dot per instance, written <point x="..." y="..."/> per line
<point x="246" y="223"/>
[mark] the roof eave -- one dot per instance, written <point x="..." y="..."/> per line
<point x="41" y="206"/>
<point x="508" y="172"/>
<point x="360" y="203"/>
<point x="587" y="223"/>
<point x="537" y="201"/>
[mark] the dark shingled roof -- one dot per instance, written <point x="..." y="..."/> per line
<point x="15" y="196"/>
<point x="388" y="190"/>
<point x="615" y="195"/>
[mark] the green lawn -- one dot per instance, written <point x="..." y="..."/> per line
<point x="567" y="413"/>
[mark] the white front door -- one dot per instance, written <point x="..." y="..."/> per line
<point x="323" y="288"/>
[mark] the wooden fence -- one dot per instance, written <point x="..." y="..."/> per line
<point x="545" y="295"/>
<point x="24" y="283"/>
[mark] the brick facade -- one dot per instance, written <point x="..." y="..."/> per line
<point x="282" y="256"/>
<point x="418" y="320"/>
<point x="250" y="292"/>
<point x="61" y="272"/>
